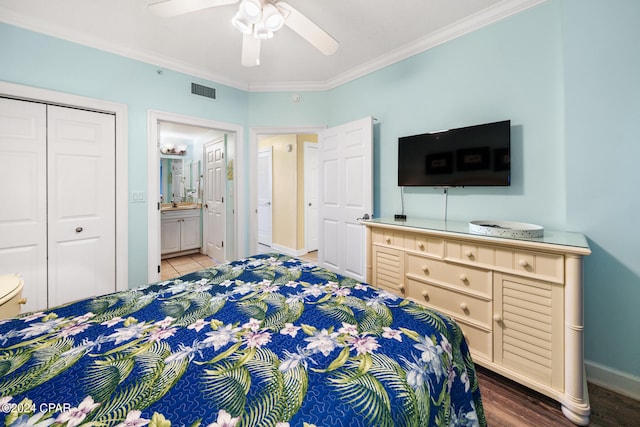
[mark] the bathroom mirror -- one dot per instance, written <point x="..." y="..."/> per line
<point x="178" y="180"/>
<point x="181" y="159"/>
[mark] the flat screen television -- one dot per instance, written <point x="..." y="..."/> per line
<point x="469" y="156"/>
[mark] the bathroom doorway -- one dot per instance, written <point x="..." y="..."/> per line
<point x="169" y="132"/>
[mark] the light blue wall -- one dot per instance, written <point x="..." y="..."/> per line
<point x="276" y="109"/>
<point x="564" y="72"/>
<point x="32" y="59"/>
<point x="509" y="70"/>
<point x="602" y="63"/>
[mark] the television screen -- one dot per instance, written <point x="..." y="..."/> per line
<point x="470" y="156"/>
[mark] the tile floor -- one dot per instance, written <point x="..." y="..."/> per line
<point x="174" y="267"/>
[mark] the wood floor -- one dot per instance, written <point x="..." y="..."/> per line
<point x="508" y="404"/>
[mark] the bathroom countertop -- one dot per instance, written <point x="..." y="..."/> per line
<point x="167" y="207"/>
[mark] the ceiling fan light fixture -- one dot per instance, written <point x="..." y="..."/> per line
<point x="241" y="24"/>
<point x="251" y="10"/>
<point x="261" y="31"/>
<point x="271" y="17"/>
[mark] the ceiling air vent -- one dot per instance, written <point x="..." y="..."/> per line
<point x="197" y="89"/>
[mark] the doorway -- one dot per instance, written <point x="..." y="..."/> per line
<point x="265" y="196"/>
<point x="231" y="133"/>
<point x="354" y="158"/>
<point x="281" y="192"/>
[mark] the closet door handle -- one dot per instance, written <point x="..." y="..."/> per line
<point x="79" y="229"/>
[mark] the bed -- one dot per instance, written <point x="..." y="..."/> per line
<point x="268" y="340"/>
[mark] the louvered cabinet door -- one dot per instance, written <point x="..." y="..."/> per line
<point x="528" y="328"/>
<point x="388" y="268"/>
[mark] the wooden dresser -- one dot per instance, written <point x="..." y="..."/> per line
<point x="11" y="299"/>
<point x="518" y="302"/>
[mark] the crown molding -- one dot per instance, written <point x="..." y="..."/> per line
<point x="39" y="26"/>
<point x="488" y="16"/>
<point x="495" y="13"/>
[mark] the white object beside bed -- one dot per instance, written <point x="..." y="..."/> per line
<point x="11" y="295"/>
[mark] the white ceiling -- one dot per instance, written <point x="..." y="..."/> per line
<point x="371" y="33"/>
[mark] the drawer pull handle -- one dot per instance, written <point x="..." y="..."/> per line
<point x="401" y="287"/>
<point x="79" y="229"/>
<point x="523" y="263"/>
<point x="464" y="307"/>
<point x="388" y="240"/>
<point x="497" y="318"/>
<point x="421" y="245"/>
<point x="425" y="294"/>
<point x="464" y="277"/>
<point x="468" y="253"/>
<point x="425" y="268"/>
<point x="22" y="301"/>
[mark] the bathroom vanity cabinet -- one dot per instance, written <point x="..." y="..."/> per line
<point x="181" y="232"/>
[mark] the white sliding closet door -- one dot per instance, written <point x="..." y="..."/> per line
<point x="57" y="184"/>
<point x="23" y="189"/>
<point x="81" y="209"/>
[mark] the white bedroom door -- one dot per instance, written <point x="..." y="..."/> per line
<point x="346" y="196"/>
<point x="265" y="195"/>
<point x="215" y="189"/>
<point x="81" y="204"/>
<point x="23" y="217"/>
<point x="310" y="196"/>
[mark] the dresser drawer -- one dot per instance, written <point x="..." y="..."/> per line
<point x="463" y="306"/>
<point x="480" y="341"/>
<point x="538" y="265"/>
<point x="388" y="238"/>
<point x="424" y="244"/>
<point x="471" y="279"/>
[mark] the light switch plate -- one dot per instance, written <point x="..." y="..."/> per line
<point x="137" y="197"/>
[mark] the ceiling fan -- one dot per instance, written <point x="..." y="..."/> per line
<point x="258" y="20"/>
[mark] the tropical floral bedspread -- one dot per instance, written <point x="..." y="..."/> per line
<point x="264" y="341"/>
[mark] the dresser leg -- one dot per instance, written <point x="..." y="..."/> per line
<point x="577" y="418"/>
<point x="578" y="411"/>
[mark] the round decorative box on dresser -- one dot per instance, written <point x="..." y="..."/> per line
<point x="518" y="301"/>
<point x="11" y="295"/>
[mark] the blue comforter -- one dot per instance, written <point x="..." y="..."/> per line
<point x="264" y="341"/>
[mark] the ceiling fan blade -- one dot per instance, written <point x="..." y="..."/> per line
<point x="166" y="8"/>
<point x="308" y="30"/>
<point x="250" y="51"/>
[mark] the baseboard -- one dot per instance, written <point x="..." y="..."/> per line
<point x="614" y="380"/>
<point x="288" y="251"/>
